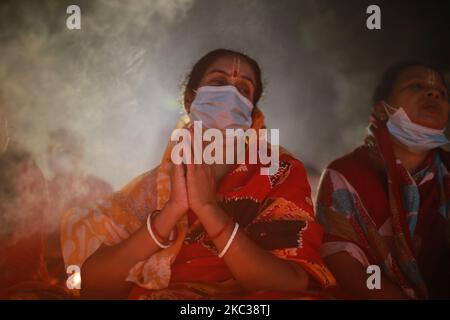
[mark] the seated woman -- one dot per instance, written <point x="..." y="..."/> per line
<point x="237" y="232"/>
<point x="387" y="202"/>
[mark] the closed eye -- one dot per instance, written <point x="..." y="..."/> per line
<point x="217" y="81"/>
<point x="244" y="88"/>
<point x="416" y="86"/>
<point x="244" y="91"/>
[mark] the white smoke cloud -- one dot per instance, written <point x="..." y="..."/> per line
<point x="95" y="81"/>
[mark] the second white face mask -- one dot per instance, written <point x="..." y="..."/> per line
<point x="414" y="136"/>
<point x="221" y="107"/>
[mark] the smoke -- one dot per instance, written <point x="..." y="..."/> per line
<point x="116" y="82"/>
<point x="95" y="81"/>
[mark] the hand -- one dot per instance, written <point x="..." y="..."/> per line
<point x="178" y="196"/>
<point x="201" y="186"/>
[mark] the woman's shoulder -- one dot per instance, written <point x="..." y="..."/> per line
<point x="360" y="164"/>
<point x="360" y="171"/>
<point x="288" y="163"/>
<point x="287" y="157"/>
<point x="141" y="183"/>
<point x="139" y="195"/>
<point x="289" y="169"/>
<point x="278" y="163"/>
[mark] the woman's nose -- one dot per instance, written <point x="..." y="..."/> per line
<point x="433" y="93"/>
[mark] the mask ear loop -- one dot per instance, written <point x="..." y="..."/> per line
<point x="185" y="115"/>
<point x="390" y="110"/>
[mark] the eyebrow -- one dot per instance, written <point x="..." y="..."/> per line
<point x="417" y="77"/>
<point x="241" y="76"/>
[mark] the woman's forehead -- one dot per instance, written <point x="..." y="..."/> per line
<point x="233" y="65"/>
<point x="420" y="73"/>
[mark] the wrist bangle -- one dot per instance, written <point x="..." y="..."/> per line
<point x="172" y="235"/>
<point x="152" y="232"/>
<point x="229" y="221"/>
<point x="227" y="246"/>
<point x="153" y="215"/>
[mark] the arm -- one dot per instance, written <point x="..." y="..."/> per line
<point x="352" y="278"/>
<point x="103" y="273"/>
<point x="254" y="267"/>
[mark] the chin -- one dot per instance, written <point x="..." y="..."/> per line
<point x="432" y="124"/>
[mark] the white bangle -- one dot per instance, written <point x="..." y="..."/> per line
<point x="227" y="246"/>
<point x="149" y="228"/>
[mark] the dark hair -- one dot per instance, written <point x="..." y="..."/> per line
<point x="390" y="75"/>
<point x="193" y="79"/>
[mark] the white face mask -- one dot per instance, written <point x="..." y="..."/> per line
<point x="415" y="137"/>
<point x="221" y="107"/>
